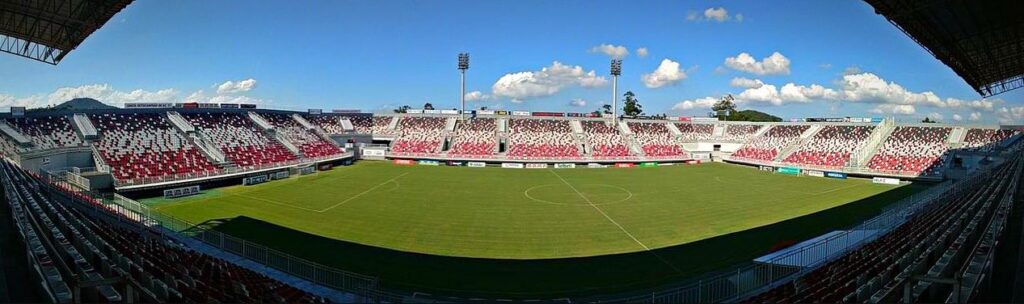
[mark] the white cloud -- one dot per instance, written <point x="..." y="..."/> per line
<point x="578" y="102"/>
<point x="613" y="51"/>
<point x="935" y="116"/>
<point x="699" y="103"/>
<point x="765" y="93"/>
<point x="200" y="96"/>
<point x="975" y="116"/>
<point x="546" y="82"/>
<point x="894" y="109"/>
<point x="1013" y="115"/>
<point x="957" y="117"/>
<point x="477" y="96"/>
<point x="102" y="92"/>
<point x="740" y="82"/>
<point x="232" y="87"/>
<point x="667" y="73"/>
<point x="719" y="14"/>
<point x="641" y="52"/>
<point x="852" y="70"/>
<point x="771" y="65"/>
<point x="797" y="93"/>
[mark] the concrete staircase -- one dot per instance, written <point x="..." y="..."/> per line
<point x="502" y="124"/>
<point x="19" y="138"/>
<point x="624" y="128"/>
<point x="673" y="129"/>
<point x="311" y="127"/>
<point x="393" y="125"/>
<point x="718" y="131"/>
<point x="260" y="121"/>
<point x="346" y="124"/>
<point x="288" y="144"/>
<point x="861" y="156"/>
<point x="209" y="148"/>
<point x="84" y="126"/>
<point x="764" y="128"/>
<point x="450" y="123"/>
<point x="805" y="137"/>
<point x="180" y="122"/>
<point x="956" y="137"/>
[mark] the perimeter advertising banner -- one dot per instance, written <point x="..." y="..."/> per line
<point x="838" y="175"/>
<point x="313" y="111"/>
<point x="17" y="111"/>
<point x="449" y="111"/>
<point x="565" y="166"/>
<point x="429" y="163"/>
<point x="520" y="113"/>
<point x="649" y="164"/>
<point x="624" y="165"/>
<point x="455" y="163"/>
<point x="476" y="164"/>
<point x="485" y="112"/>
<point x="885" y="180"/>
<point x="596" y="165"/>
<point x="789" y="170"/>
<point x="692" y="162"/>
<point x="404" y="162"/>
<point x="549" y="114"/>
<point x="512" y="165"/>
<point x="815" y="173"/>
<point x="766" y="168"/>
<point x="536" y="166"/>
<point x="500" y="112"/>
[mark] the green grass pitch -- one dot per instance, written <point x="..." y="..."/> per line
<point x="530" y="214"/>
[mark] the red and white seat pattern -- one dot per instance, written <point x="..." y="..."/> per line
<point x="329" y="123"/>
<point x="242" y="142"/>
<point x="986" y="140"/>
<point x="768" y="146"/>
<point x="146" y="146"/>
<point x="605" y="140"/>
<point x="694" y="132"/>
<point x="475" y="138"/>
<point x="380" y="126"/>
<point x="419" y="135"/>
<point x="912" y="150"/>
<point x="309" y="143"/>
<point x="655" y="139"/>
<point x="362" y="124"/>
<point x="831" y="146"/>
<point x="47" y="132"/>
<point x="739" y="132"/>
<point x="541" y="139"/>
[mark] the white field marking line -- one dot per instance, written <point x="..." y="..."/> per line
<point x="364" y="192"/>
<point x="274" y="202"/>
<point x="599" y="210"/>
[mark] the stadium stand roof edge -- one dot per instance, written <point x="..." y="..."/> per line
<point x="47" y="30"/>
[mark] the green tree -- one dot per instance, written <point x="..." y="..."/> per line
<point x="928" y="120"/>
<point x="428" y="106"/>
<point x="606" y="109"/>
<point x="403" y="109"/>
<point x="631" y="105"/>
<point x="723" y="106"/>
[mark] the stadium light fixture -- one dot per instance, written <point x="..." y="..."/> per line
<point x="463" y="66"/>
<point x="616" y="70"/>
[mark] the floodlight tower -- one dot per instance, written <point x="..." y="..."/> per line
<point x="463" y="66"/>
<point x="616" y="71"/>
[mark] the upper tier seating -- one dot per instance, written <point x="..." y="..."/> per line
<point x="242" y="142"/>
<point x="739" y="133"/>
<point x="362" y="124"/>
<point x="309" y="143"/>
<point x="655" y="139"/>
<point x="47" y="132"/>
<point x="419" y="135"/>
<point x="768" y="146"/>
<point x="541" y="139"/>
<point x="693" y="132"/>
<point x="605" y="140"/>
<point x="986" y="140"/>
<point x="141" y="145"/>
<point x="93" y="248"/>
<point x="329" y="123"/>
<point x="831" y="146"/>
<point x="913" y="150"/>
<point x="475" y="137"/>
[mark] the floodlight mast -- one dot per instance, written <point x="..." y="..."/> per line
<point x="463" y="66"/>
<point x="616" y="70"/>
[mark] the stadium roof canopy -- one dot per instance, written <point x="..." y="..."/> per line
<point x="46" y="30"/>
<point x="982" y="41"/>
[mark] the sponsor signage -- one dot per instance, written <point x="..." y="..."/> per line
<point x="876" y="119"/>
<point x="815" y="173"/>
<point x="575" y="114"/>
<point x="190" y="105"/>
<point x="181" y="192"/>
<point x="623" y="165"/>
<point x="476" y="164"/>
<point x="404" y="162"/>
<point x="429" y="163"/>
<point x="691" y="162"/>
<point x="455" y="163"/>
<point x="549" y="114"/>
<point x="229" y="106"/>
<point x="247" y="106"/>
<point x="536" y="166"/>
<point x="520" y="113"/>
<point x="280" y="175"/>
<point x="344" y="111"/>
<point x="766" y="168"/>
<point x="512" y="165"/>
<point x="373" y="152"/>
<point x="316" y="111"/>
<point x="17" y="111"/>
<point x="142" y="105"/>
<point x="253" y="180"/>
<point x="885" y="180"/>
<point x="596" y="165"/>
<point x="500" y="112"/>
<point x="706" y="119"/>
<point x="649" y="164"/>
<point x="449" y="111"/>
<point x="685" y="119"/>
<point x="485" y="112"/>
<point x="838" y="175"/>
<point x="414" y="111"/>
<point x="789" y="170"/>
<point x="565" y="166"/>
<point x="701" y="155"/>
<point x="206" y="105"/>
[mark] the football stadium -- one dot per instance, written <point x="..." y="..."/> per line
<point x="131" y="197"/>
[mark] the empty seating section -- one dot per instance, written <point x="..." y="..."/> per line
<point x="655" y="139"/>
<point x="927" y="243"/>
<point x="912" y="150"/>
<point x="242" y="142"/>
<point x="739" y="132"/>
<point x="986" y="140"/>
<point x="419" y="135"/>
<point x="695" y="132"/>
<point x="605" y="140"/>
<point x="362" y="124"/>
<point x="474" y="138"/>
<point x="541" y="139"/>
<point x="380" y="126"/>
<point x="830" y="147"/>
<point x="329" y="123"/>
<point x="144" y="146"/>
<point x="65" y="241"/>
<point x="309" y="143"/>
<point x="768" y="145"/>
<point x="47" y="132"/>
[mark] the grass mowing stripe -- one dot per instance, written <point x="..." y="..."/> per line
<point x="599" y="210"/>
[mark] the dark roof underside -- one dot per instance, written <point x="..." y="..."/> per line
<point x="981" y="40"/>
<point x="46" y="30"/>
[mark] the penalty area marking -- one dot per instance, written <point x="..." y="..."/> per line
<point x="364" y="192"/>
<point x="600" y="211"/>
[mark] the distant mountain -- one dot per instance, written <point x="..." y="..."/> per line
<point x="752" y="115"/>
<point x="77" y="104"/>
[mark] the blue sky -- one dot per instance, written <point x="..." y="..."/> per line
<point x="841" y="58"/>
